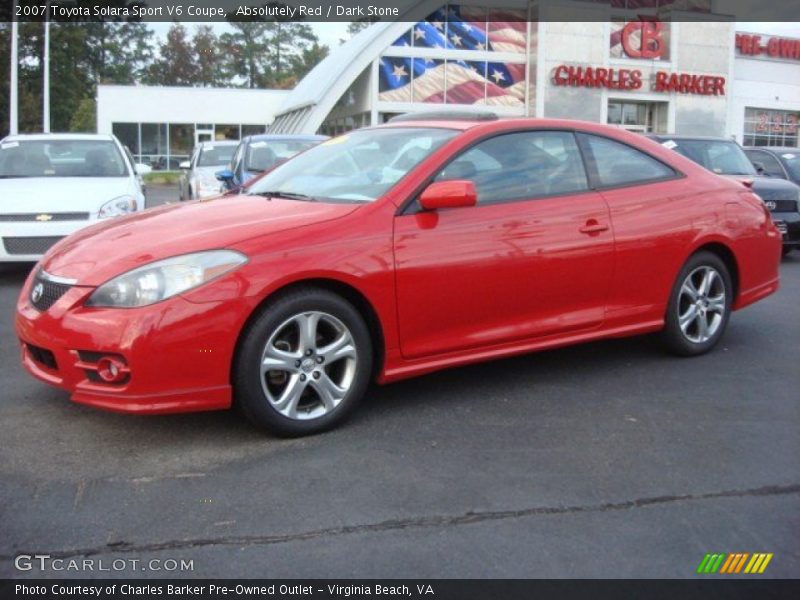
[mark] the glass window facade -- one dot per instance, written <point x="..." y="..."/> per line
<point x="164" y="145"/>
<point x="766" y="127"/>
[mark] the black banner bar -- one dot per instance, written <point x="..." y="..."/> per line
<point x="443" y="589"/>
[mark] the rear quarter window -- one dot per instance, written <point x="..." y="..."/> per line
<point x="618" y="164"/>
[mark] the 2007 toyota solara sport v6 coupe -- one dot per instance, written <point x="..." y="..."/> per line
<point x="429" y="242"/>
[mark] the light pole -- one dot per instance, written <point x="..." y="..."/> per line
<point x="13" y="122"/>
<point x="46" y="70"/>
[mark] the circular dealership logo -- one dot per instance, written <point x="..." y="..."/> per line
<point x="37" y="292"/>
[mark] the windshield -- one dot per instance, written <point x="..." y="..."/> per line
<point x="265" y="154"/>
<point x="792" y="162"/>
<point x="359" y="166"/>
<point x="215" y="156"/>
<point x="61" y="158"/>
<point x="722" y="157"/>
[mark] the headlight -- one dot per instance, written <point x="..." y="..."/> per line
<point x="122" y="205"/>
<point x="164" y="278"/>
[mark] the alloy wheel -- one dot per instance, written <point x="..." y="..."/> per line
<point x="701" y="304"/>
<point x="308" y="365"/>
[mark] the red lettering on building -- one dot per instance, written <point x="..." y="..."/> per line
<point x="776" y="47"/>
<point x="631" y="79"/>
<point x="651" y="43"/>
<point x="596" y="77"/>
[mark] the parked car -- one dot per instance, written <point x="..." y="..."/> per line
<point x="390" y="252"/>
<point x="198" y="178"/>
<point x="54" y="184"/>
<point x="783" y="163"/>
<point x="725" y="157"/>
<point x="258" y="153"/>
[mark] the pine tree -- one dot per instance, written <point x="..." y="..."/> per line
<point x="206" y="48"/>
<point x="176" y="63"/>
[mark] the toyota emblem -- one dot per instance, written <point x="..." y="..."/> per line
<point x="37" y="292"/>
<point x="771" y="204"/>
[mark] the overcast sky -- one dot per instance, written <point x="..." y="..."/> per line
<point x="328" y="33"/>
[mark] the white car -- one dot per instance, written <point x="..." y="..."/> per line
<point x="54" y="184"/>
<point x="198" y="179"/>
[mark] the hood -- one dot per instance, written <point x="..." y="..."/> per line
<point x="98" y="253"/>
<point x="770" y="188"/>
<point x="60" y="194"/>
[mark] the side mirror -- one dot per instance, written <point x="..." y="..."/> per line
<point x="449" y="194"/>
<point x="185" y="165"/>
<point x="759" y="167"/>
<point x="225" y="176"/>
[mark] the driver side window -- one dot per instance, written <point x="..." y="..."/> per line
<point x="521" y="166"/>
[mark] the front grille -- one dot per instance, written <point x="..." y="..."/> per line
<point x="29" y="245"/>
<point x="42" y="356"/>
<point x="781" y="205"/>
<point x="45" y="293"/>
<point x="43" y="217"/>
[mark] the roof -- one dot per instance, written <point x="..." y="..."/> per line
<point x="188" y="89"/>
<point x="219" y="143"/>
<point x="276" y="137"/>
<point x="57" y="136"/>
<point x="776" y="149"/>
<point x="691" y="138"/>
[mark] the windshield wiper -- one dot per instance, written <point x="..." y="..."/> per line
<point x="287" y="195"/>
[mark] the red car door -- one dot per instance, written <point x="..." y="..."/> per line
<point x="535" y="257"/>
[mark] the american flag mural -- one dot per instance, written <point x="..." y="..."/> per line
<point x="436" y="81"/>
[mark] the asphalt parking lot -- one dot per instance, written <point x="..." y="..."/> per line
<point x="604" y="460"/>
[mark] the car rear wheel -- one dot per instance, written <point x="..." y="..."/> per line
<point x="699" y="306"/>
<point x="786" y="250"/>
<point x="303" y="363"/>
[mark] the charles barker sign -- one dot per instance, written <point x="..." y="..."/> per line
<point x="639" y="40"/>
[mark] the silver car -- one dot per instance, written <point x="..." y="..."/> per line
<point x="198" y="179"/>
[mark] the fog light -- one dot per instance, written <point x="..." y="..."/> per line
<point x="111" y="370"/>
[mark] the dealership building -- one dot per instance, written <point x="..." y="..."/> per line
<point x="160" y="125"/>
<point x="646" y="65"/>
<point x="660" y="66"/>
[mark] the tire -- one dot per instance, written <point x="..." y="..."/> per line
<point x="786" y="250"/>
<point x="696" y="316"/>
<point x="307" y="386"/>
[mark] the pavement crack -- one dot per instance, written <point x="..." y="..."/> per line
<point x="422" y="522"/>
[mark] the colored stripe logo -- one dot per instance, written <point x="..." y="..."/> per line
<point x="737" y="562"/>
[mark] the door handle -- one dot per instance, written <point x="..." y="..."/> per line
<point x="593" y="226"/>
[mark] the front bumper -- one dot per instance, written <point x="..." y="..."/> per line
<point x="788" y="224"/>
<point x="178" y="351"/>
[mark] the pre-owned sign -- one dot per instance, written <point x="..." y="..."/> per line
<point x="631" y="79"/>
<point x="775" y="47"/>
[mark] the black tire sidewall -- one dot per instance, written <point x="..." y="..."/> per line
<point x="673" y="335"/>
<point x="249" y="395"/>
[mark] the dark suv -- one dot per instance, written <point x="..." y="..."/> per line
<point x="725" y="157"/>
<point x="775" y="161"/>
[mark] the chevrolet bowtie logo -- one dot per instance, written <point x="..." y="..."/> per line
<point x="44" y="217"/>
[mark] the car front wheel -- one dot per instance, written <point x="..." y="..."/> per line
<point x="303" y="363"/>
<point x="699" y="306"/>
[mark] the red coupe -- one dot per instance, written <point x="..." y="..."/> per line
<point x="389" y="252"/>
